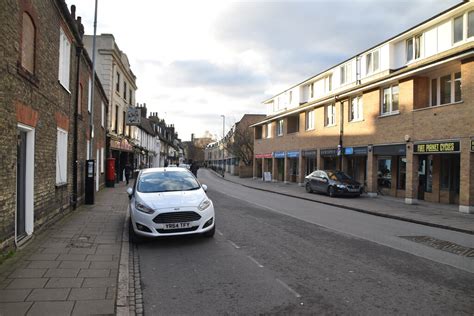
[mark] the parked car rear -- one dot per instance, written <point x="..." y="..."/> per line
<point x="333" y="183"/>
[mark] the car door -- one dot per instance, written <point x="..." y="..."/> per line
<point x="323" y="182"/>
<point x="318" y="181"/>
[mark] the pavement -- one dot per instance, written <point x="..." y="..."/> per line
<point x="72" y="266"/>
<point x="425" y="213"/>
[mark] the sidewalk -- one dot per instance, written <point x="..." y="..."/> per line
<point x="424" y="213"/>
<point x="71" y="267"/>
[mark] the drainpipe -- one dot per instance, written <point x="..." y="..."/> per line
<point x="341" y="131"/>
<point x="75" y="163"/>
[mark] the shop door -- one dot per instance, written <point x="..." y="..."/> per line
<point x="21" y="185"/>
<point x="422" y="172"/>
<point x="281" y="169"/>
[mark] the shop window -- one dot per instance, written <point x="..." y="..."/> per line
<point x="429" y="174"/>
<point x="402" y="173"/>
<point x="390" y="100"/>
<point x="384" y="173"/>
<point x="28" y="43"/>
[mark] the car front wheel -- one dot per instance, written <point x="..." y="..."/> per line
<point x="308" y="188"/>
<point x="332" y="192"/>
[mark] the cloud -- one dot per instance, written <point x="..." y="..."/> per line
<point x="231" y="79"/>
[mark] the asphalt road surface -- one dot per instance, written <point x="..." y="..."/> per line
<point x="279" y="255"/>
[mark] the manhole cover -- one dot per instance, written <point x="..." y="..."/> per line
<point x="442" y="245"/>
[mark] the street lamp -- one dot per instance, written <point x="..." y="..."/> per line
<point x="223" y="131"/>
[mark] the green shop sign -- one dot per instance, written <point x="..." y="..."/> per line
<point x="437" y="147"/>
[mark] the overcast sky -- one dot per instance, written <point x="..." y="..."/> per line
<point x="197" y="60"/>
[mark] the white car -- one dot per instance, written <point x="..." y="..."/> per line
<point x="168" y="202"/>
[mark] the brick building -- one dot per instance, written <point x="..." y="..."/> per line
<point x="45" y="84"/>
<point x="398" y="117"/>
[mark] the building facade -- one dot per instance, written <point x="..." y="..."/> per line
<point x="397" y="117"/>
<point x="45" y="111"/>
<point x="119" y="82"/>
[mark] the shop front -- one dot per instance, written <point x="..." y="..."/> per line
<point x="309" y="161"/>
<point x="279" y="168"/>
<point x="391" y="169"/>
<point x="355" y="163"/>
<point x="439" y="165"/>
<point x="123" y="153"/>
<point x="293" y="165"/>
<point x="329" y="158"/>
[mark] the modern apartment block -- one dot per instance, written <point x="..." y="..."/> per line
<point x="45" y="116"/>
<point x="398" y="117"/>
<point x="119" y="82"/>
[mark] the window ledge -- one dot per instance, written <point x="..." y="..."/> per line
<point x="332" y="125"/>
<point x="61" y="184"/>
<point x="438" y="106"/>
<point x="357" y="121"/>
<point x="310" y="129"/>
<point x="389" y="114"/>
<point x="64" y="87"/>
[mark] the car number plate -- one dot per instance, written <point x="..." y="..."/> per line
<point x="177" y="225"/>
<point x="353" y="190"/>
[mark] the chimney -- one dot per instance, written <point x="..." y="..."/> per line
<point x="73" y="12"/>
<point x="192" y="137"/>
<point x="143" y="110"/>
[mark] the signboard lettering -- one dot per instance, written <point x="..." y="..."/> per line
<point x="438" y="147"/>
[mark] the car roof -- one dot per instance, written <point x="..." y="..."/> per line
<point x="163" y="169"/>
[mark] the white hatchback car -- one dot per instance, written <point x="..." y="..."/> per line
<point x="170" y="201"/>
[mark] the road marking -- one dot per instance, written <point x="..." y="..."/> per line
<point x="233" y="244"/>
<point x="255" y="261"/>
<point x="288" y="288"/>
<point x="219" y="232"/>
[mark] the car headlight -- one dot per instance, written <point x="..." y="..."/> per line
<point x="204" y="204"/>
<point x="143" y="208"/>
<point x="341" y="186"/>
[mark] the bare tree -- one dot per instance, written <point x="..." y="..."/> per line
<point x="240" y="144"/>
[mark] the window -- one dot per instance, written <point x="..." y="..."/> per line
<point x="413" y="46"/>
<point x="309" y="124"/>
<point x="372" y="62"/>
<point x="123" y="122"/>
<point x="61" y="157"/>
<point x="279" y="130"/>
<point x="330" y="115"/>
<point x="402" y="172"/>
<point x="446" y="89"/>
<point x="269" y="130"/>
<point x="356" y="112"/>
<point x="125" y="90"/>
<point x="64" y="59"/>
<point x="116" y="119"/>
<point x="470" y="24"/>
<point x="130" y="96"/>
<point x="290" y="97"/>
<point x="390" y="100"/>
<point x="117" y="84"/>
<point x="102" y="114"/>
<point x="458" y="29"/>
<point x="102" y="160"/>
<point x="345" y="73"/>
<point x="88" y="145"/>
<point x="311" y="90"/>
<point x="28" y="37"/>
<point x="89" y="96"/>
<point x="328" y="84"/>
<point x="384" y="173"/>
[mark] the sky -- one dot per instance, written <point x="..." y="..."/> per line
<point x="198" y="60"/>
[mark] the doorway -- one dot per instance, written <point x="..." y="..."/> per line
<point x="21" y="185"/>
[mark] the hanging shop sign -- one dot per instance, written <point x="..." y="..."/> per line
<point x="437" y="147"/>
<point x="390" y="150"/>
<point x="472" y="145"/>
<point x="309" y="153"/>
<point x="329" y="152"/>
<point x="278" y="154"/>
<point x="263" y="156"/>
<point x="292" y="154"/>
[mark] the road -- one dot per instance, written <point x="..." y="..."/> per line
<point x="279" y="255"/>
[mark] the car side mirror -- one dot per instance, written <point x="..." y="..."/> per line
<point x="130" y="193"/>
<point x="325" y="179"/>
<point x="204" y="187"/>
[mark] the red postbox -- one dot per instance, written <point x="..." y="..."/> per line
<point x="110" y="173"/>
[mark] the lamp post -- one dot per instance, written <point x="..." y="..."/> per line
<point x="223" y="131"/>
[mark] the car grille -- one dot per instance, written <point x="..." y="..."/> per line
<point x="176" y="217"/>
<point x="178" y="230"/>
<point x="353" y="187"/>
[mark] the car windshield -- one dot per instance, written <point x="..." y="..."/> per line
<point x="338" y="176"/>
<point x="166" y="181"/>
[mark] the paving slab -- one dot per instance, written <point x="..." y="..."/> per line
<point x="28" y="273"/>
<point x="40" y="264"/>
<point x="27" y="283"/>
<point x="51" y="308"/>
<point x="91" y="293"/>
<point x="62" y="273"/>
<point x="49" y="294"/>
<point x="94" y="273"/>
<point x="74" y="265"/>
<point x="97" y="306"/>
<point x="64" y="283"/>
<point x="14" y="309"/>
<point x="99" y="282"/>
<point x="14" y="295"/>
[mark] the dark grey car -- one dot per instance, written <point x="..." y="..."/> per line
<point x="332" y="182"/>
